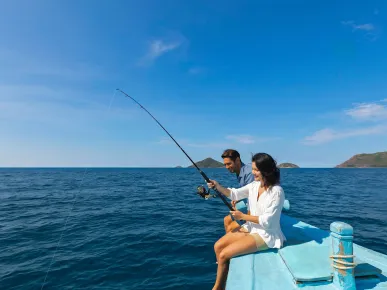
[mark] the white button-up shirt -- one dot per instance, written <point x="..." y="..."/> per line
<point x="268" y="207"/>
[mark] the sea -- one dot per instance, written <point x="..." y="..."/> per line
<point x="146" y="228"/>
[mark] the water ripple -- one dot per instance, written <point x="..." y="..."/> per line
<point x="147" y="228"/>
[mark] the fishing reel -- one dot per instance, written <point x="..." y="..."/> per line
<point x="204" y="193"/>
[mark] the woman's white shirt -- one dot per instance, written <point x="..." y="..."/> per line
<point x="268" y="207"/>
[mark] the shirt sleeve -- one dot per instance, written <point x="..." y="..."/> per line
<point x="249" y="177"/>
<point x="240" y="193"/>
<point x="273" y="210"/>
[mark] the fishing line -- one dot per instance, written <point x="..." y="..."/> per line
<point x="200" y="190"/>
<point x="71" y="209"/>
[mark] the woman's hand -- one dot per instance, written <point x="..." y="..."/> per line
<point x="238" y="215"/>
<point x="212" y="184"/>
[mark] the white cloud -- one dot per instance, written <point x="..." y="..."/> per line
<point x="14" y="64"/>
<point x="370" y="31"/>
<point x="368" y="111"/>
<point x="67" y="108"/>
<point x="328" y="135"/>
<point x="362" y="112"/>
<point x="244" y="139"/>
<point x="208" y="145"/>
<point x="364" y="27"/>
<point x="165" y="140"/>
<point x="235" y="139"/>
<point x="161" y="46"/>
<point x="187" y="143"/>
<point x="249" y="139"/>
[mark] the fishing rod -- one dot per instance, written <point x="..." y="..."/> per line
<point x="201" y="190"/>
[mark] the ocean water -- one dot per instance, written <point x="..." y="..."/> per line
<point x="147" y="228"/>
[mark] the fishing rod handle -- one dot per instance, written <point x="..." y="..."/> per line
<point x="229" y="206"/>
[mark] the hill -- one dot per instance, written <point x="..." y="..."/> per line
<point x="288" y="165"/>
<point x="378" y="159"/>
<point x="208" y="163"/>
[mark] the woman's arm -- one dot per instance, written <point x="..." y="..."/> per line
<point x="218" y="187"/>
<point x="272" y="212"/>
<point x="238" y="215"/>
<point x="233" y="193"/>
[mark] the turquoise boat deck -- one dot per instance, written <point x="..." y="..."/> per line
<point x="305" y="263"/>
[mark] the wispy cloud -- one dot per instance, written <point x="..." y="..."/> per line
<point x="161" y="46"/>
<point x="328" y="135"/>
<point x="359" y="112"/>
<point x="244" y="139"/>
<point x="14" y="64"/>
<point x="368" y="29"/>
<point x="164" y="140"/>
<point x="364" y="27"/>
<point x="249" y="139"/>
<point x="208" y="145"/>
<point x="188" y="143"/>
<point x="59" y="107"/>
<point x="233" y="140"/>
<point x="368" y="111"/>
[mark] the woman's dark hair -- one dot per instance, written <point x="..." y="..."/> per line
<point x="268" y="168"/>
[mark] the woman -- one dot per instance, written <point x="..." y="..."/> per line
<point x="262" y="229"/>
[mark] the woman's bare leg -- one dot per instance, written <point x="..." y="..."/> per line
<point x="226" y="240"/>
<point x="227" y="221"/>
<point x="242" y="245"/>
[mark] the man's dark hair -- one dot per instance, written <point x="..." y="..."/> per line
<point x="231" y="153"/>
<point x="268" y="168"/>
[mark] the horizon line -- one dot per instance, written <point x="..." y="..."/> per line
<point x="151" y="167"/>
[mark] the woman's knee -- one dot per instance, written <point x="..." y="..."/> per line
<point x="224" y="256"/>
<point x="218" y="246"/>
<point x="227" y="220"/>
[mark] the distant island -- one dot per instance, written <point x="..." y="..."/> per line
<point x="208" y="163"/>
<point x="212" y="163"/>
<point x="365" y="160"/>
<point x="288" y="165"/>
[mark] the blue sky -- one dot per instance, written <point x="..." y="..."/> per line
<point x="304" y="81"/>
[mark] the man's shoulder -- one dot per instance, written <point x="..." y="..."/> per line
<point x="246" y="168"/>
<point x="246" y="175"/>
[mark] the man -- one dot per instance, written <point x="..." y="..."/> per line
<point x="232" y="161"/>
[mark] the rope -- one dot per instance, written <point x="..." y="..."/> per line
<point x="342" y="267"/>
<point x="342" y="256"/>
<point x="71" y="210"/>
<point x="350" y="265"/>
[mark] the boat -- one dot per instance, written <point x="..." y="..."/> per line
<point x="310" y="259"/>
